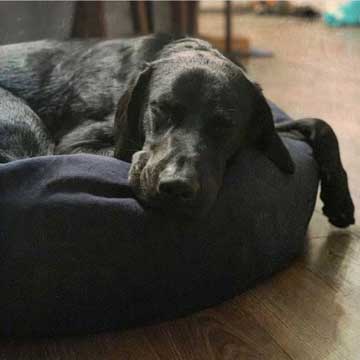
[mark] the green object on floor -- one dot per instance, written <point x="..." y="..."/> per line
<point x="347" y="14"/>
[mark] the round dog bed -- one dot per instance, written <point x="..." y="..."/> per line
<point x="79" y="254"/>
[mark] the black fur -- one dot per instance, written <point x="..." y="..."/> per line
<point x="22" y="133"/>
<point x="175" y="107"/>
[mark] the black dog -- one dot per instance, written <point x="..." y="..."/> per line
<point x="176" y="107"/>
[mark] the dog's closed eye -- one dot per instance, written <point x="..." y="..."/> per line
<point x="166" y="114"/>
<point x="160" y="119"/>
<point x="166" y="106"/>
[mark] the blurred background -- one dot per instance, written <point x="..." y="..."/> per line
<point x="305" y="54"/>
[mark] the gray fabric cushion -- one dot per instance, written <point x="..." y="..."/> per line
<point x="79" y="254"/>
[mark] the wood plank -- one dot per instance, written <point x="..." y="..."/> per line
<point x="131" y="345"/>
<point x="308" y="318"/>
<point x="222" y="332"/>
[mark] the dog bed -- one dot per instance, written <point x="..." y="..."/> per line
<point x="78" y="253"/>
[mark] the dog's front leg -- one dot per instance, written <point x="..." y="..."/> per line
<point x="335" y="193"/>
<point x="91" y="137"/>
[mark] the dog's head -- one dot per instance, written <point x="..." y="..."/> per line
<point x="181" y="121"/>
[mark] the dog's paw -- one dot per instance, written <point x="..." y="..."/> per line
<point x="340" y="218"/>
<point x="338" y="205"/>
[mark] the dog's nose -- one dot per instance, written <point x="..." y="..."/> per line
<point x="179" y="189"/>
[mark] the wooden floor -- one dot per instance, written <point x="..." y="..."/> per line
<point x="311" y="310"/>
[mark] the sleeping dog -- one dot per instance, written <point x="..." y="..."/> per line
<point x="175" y="107"/>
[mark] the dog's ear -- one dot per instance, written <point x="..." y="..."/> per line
<point x="268" y="140"/>
<point x="129" y="132"/>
